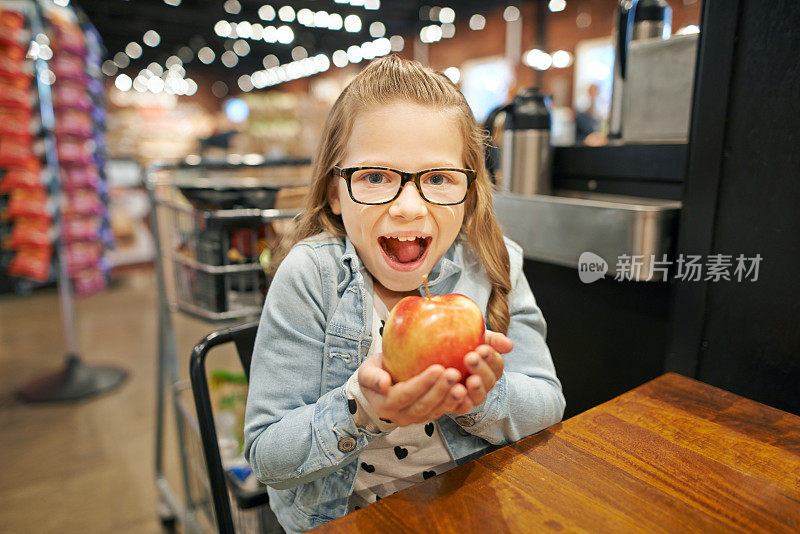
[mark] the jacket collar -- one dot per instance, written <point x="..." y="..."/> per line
<point x="450" y="264"/>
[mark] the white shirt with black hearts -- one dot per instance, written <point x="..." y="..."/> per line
<point x="403" y="456"/>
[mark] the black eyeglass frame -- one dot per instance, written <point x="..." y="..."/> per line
<point x="405" y="177"/>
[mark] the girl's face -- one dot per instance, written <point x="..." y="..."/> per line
<point x="408" y="137"/>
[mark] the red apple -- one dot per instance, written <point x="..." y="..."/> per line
<point x="422" y="331"/>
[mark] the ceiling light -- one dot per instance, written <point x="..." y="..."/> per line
<point x="446" y="15"/>
<point x="298" y="53"/>
<point x="172" y="61"/>
<point x="121" y="60"/>
<point x="368" y="50"/>
<point x="155" y="85"/>
<point x="453" y="73"/>
<point x="321" y="62"/>
<point x="352" y="23"/>
<point x="232" y="6"/>
<point x="259" y="79"/>
<point x="219" y="89"/>
<point x="477" y="22"/>
<point x="123" y="82"/>
<point x="511" y="14"/>
<point x="172" y="3"/>
<point x="133" y="50"/>
<point x="192" y="87"/>
<point x="185" y="54"/>
<point x="109" y="68"/>
<point x="377" y="29"/>
<point x="397" y="42"/>
<point x="557" y="5"/>
<point x="340" y="58"/>
<point x="266" y="13"/>
<point x="308" y="66"/>
<point x="372" y="4"/>
<point x="140" y="84"/>
<point x="241" y="48"/>
<point x="285" y="35"/>
<point x="258" y="31"/>
<point x="176" y="71"/>
<point x="270" y="34"/>
<point x="286" y="14"/>
<point x="206" y="55"/>
<point x="155" y="68"/>
<point x="335" y="21"/>
<point x="270" y="61"/>
<point x="229" y="59"/>
<point x="537" y="59"/>
<point x="245" y="83"/>
<point x="244" y="30"/>
<point x="562" y="59"/>
<point x="305" y="17"/>
<point x="354" y="54"/>
<point x="321" y="19"/>
<point x="61" y="3"/>
<point x="448" y="30"/>
<point x="151" y="38"/>
<point x="382" y="46"/>
<point x="222" y="28"/>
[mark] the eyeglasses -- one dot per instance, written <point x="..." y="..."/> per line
<point x="443" y="186"/>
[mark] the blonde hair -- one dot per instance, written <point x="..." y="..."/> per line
<point x="386" y="80"/>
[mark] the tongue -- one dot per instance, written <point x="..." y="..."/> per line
<point x="403" y="251"/>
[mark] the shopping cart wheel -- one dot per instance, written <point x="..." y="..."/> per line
<point x="169" y="524"/>
<point x="167" y="518"/>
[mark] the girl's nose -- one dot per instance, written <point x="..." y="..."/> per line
<point x="409" y="205"/>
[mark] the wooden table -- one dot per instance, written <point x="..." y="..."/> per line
<point x="673" y="455"/>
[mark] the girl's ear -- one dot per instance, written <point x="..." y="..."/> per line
<point x="333" y="197"/>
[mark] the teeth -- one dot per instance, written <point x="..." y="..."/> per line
<point x="408" y="238"/>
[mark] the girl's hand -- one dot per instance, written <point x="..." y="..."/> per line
<point x="486" y="367"/>
<point x="425" y="397"/>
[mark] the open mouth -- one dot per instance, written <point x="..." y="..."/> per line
<point x="404" y="252"/>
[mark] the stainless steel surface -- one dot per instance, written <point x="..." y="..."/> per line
<point x="558" y="229"/>
<point x="526" y="162"/>
<point x="657" y="101"/>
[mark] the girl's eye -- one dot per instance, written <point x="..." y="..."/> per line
<point x="437" y="179"/>
<point x="375" y="178"/>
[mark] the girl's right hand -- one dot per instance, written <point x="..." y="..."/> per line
<point x="425" y="397"/>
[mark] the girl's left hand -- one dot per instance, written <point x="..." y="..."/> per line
<point x="485" y="365"/>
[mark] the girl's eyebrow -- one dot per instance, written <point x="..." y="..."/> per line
<point x="384" y="164"/>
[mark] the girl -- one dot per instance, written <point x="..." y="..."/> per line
<point x="400" y="190"/>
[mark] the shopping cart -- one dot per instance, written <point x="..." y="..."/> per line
<point x="214" y="229"/>
<point x="250" y="511"/>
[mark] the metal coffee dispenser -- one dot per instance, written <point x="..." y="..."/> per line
<point x="525" y="153"/>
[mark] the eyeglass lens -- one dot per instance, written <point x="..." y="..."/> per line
<point x="380" y="185"/>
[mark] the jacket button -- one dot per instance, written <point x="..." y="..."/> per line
<point x="347" y="444"/>
<point x="465" y="420"/>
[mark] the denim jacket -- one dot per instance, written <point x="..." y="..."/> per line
<point x="315" y="331"/>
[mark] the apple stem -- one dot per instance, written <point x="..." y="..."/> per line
<point x="425" y="280"/>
